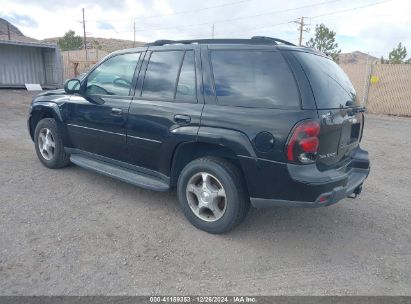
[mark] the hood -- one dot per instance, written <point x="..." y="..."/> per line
<point x="56" y="96"/>
<point x="52" y="92"/>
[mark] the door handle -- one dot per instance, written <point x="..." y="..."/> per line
<point x="116" y="111"/>
<point x="182" y="119"/>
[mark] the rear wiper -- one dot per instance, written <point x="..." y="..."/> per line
<point x="356" y="110"/>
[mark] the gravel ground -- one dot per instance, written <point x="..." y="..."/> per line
<point x="74" y="232"/>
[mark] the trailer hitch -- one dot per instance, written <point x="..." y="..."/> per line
<point x="356" y="192"/>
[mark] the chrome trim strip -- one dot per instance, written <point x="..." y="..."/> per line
<point x="88" y="128"/>
<point x="260" y="159"/>
<point x="142" y="138"/>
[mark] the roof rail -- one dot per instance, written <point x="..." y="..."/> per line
<point x="254" y="40"/>
<point x="272" y="40"/>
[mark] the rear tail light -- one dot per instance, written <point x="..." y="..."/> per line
<point x="302" y="146"/>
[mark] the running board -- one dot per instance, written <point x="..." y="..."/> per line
<point x="132" y="177"/>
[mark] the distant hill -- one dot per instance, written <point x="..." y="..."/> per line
<point x="106" y="44"/>
<point x="356" y="57"/>
<point x="15" y="33"/>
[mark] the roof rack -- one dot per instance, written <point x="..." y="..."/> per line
<point x="256" y="40"/>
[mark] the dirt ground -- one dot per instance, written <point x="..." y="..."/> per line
<point x="74" y="232"/>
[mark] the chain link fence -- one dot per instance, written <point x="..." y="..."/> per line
<point x="382" y="88"/>
<point x="76" y="62"/>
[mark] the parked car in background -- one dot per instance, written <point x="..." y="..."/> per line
<point x="228" y="122"/>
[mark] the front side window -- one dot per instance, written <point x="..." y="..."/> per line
<point x="170" y="75"/>
<point x="253" y="78"/>
<point x="114" y="76"/>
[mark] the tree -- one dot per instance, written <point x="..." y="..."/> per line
<point x="70" y="41"/>
<point x="398" y="54"/>
<point x="324" y="41"/>
<point x="96" y="45"/>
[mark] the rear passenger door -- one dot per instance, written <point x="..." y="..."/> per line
<point x="166" y="108"/>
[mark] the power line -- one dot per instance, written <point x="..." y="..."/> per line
<point x="177" y="13"/>
<point x="350" y="9"/>
<point x="259" y="28"/>
<point x="366" y="22"/>
<point x="184" y="27"/>
<point x="243" y="17"/>
<point x="317" y="16"/>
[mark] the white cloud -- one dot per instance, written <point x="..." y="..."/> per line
<point x="163" y="7"/>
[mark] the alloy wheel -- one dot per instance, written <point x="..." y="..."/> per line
<point x="206" y="197"/>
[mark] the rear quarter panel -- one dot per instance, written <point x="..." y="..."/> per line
<point x="251" y="121"/>
<point x="248" y="122"/>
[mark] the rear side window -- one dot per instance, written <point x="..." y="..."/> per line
<point x="161" y="74"/>
<point x="331" y="86"/>
<point x="170" y="75"/>
<point x="186" y="88"/>
<point x="253" y="78"/>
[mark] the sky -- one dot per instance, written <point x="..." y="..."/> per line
<point x="370" y="26"/>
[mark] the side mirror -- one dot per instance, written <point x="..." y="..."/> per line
<point x="72" y="86"/>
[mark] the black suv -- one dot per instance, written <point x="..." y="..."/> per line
<point x="228" y="122"/>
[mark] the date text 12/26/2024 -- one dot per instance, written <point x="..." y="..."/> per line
<point x="202" y="299"/>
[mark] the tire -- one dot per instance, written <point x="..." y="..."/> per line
<point x="48" y="135"/>
<point x="197" y="205"/>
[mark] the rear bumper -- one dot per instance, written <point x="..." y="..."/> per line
<point x="325" y="187"/>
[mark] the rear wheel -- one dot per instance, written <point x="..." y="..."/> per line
<point x="49" y="144"/>
<point x="212" y="195"/>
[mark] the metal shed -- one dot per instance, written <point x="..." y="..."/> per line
<point x="30" y="62"/>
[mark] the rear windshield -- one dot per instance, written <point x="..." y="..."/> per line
<point x="331" y="86"/>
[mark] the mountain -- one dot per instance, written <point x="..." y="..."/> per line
<point x="15" y="33"/>
<point x="106" y="44"/>
<point x="356" y="57"/>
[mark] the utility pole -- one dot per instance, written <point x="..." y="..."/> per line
<point x="301" y="29"/>
<point x="212" y="31"/>
<point x="85" y="40"/>
<point x="134" y="39"/>
<point x="8" y="31"/>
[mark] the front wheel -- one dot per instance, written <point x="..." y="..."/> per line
<point x="49" y="144"/>
<point x="212" y="195"/>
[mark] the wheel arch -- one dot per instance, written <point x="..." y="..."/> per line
<point x="41" y="111"/>
<point x="187" y="152"/>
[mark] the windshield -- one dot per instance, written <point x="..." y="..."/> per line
<point x="331" y="86"/>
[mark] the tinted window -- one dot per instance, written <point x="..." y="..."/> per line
<point x="331" y="86"/>
<point x="252" y="78"/>
<point x="161" y="75"/>
<point x="186" y="88"/>
<point x="113" y="76"/>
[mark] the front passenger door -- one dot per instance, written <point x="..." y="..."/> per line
<point x="97" y="119"/>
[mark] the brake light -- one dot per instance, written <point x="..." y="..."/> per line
<point x="303" y="143"/>
<point x="309" y="145"/>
